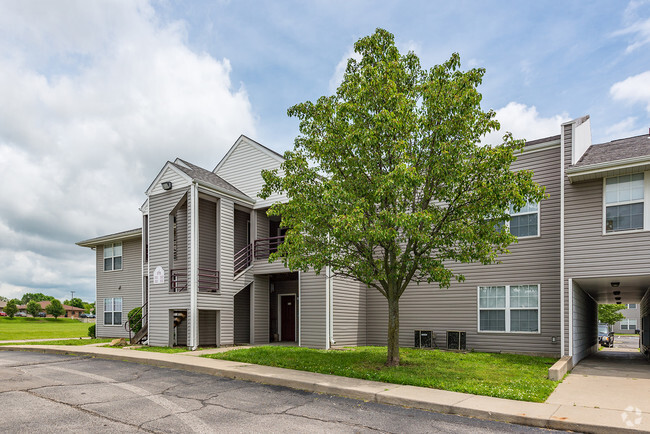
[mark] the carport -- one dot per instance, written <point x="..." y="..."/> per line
<point x="581" y="310"/>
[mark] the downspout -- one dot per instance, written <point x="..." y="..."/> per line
<point x="330" y="302"/>
<point x="194" y="252"/>
<point x="327" y="308"/>
<point x="562" y="167"/>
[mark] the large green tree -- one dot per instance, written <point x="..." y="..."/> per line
<point x="75" y="302"/>
<point x="33" y="308"/>
<point x="55" y="309"/>
<point x="37" y="296"/>
<point x="609" y="313"/>
<point x="11" y="309"/>
<point x="387" y="182"/>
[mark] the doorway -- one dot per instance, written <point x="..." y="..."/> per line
<point x="287" y="317"/>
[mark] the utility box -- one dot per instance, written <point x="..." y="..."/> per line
<point x="423" y="338"/>
<point x="456" y="340"/>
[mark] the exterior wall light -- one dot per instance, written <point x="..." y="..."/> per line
<point x="617" y="298"/>
<point x="617" y="292"/>
<point x="167" y="185"/>
<point x="615" y="284"/>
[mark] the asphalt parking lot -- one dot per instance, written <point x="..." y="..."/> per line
<point x="49" y="393"/>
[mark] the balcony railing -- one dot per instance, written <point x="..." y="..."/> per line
<point x="265" y="246"/>
<point x="208" y="280"/>
<point x="243" y="259"/>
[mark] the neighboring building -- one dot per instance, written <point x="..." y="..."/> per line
<point x="204" y="276"/>
<point x="70" y="311"/>
<point x="632" y="321"/>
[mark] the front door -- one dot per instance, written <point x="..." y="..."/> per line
<point x="288" y="318"/>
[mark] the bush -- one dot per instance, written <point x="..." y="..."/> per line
<point x="11" y="309"/>
<point x="55" y="309"/>
<point x="33" y="308"/>
<point x="91" y="331"/>
<point x="135" y="317"/>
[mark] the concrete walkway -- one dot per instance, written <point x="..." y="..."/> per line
<point x="544" y="415"/>
<point x="614" y="382"/>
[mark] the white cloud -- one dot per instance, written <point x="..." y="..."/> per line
<point x="339" y="71"/>
<point x="524" y="122"/>
<point x="625" y="128"/>
<point x="96" y="97"/>
<point x="638" y="28"/>
<point x="635" y="89"/>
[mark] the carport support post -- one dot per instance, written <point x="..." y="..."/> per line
<point x="194" y="257"/>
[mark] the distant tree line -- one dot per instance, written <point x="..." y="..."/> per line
<point x="31" y="301"/>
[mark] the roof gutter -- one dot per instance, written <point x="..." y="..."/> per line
<point x="591" y="169"/>
<point x="101" y="240"/>
<point x="224" y="192"/>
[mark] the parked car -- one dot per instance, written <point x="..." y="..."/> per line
<point x="605" y="337"/>
<point x="21" y="314"/>
<point x="3" y="314"/>
<point x="86" y="315"/>
<point x="41" y="315"/>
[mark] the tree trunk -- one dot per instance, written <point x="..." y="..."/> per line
<point x="393" y="331"/>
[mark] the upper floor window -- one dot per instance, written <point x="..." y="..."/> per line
<point x="525" y="222"/>
<point x="631" y="306"/>
<point x="624" y="203"/>
<point x="112" y="256"/>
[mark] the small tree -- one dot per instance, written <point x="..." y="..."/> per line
<point x="11" y="308"/>
<point x="33" y="308"/>
<point x="55" y="309"/>
<point x="91" y="331"/>
<point x="388" y="183"/>
<point x="609" y="313"/>
<point x="135" y="319"/>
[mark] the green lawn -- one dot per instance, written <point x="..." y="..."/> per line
<point x="169" y="350"/>
<point x="501" y="375"/>
<point x="64" y="342"/>
<point x="41" y="328"/>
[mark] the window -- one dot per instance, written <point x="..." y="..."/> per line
<point x="113" y="311"/>
<point x="525" y="222"/>
<point x="631" y="306"/>
<point x="624" y="203"/>
<point x="113" y="256"/>
<point x="628" y="324"/>
<point x="509" y="308"/>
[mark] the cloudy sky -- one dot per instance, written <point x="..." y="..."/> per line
<point x="96" y="96"/>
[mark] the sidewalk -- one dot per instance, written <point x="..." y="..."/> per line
<point x="544" y="415"/>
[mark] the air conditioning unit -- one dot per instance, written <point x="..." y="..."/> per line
<point x="456" y="340"/>
<point x="423" y="338"/>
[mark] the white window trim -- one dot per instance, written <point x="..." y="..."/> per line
<point x="539" y="219"/>
<point x="646" y="202"/>
<point x="508" y="309"/>
<point x="627" y="324"/>
<point x="112" y="311"/>
<point x="113" y="257"/>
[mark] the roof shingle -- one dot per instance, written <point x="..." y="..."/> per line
<point x="620" y="149"/>
<point x="201" y="174"/>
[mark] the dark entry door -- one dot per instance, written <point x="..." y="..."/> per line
<point x="288" y="318"/>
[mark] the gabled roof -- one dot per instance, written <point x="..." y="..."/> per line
<point x="621" y="149"/>
<point x="260" y="146"/>
<point x="201" y="174"/>
<point x="119" y="236"/>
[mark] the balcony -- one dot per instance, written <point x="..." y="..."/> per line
<point x="260" y="249"/>
<point x="208" y="280"/>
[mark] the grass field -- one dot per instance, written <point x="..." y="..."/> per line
<point x="41" y="328"/>
<point x="72" y="342"/>
<point x="501" y="375"/>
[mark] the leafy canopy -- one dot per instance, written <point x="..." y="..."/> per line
<point x="387" y="183"/>
<point x="75" y="302"/>
<point x="11" y="309"/>
<point x="609" y="313"/>
<point x="55" y="308"/>
<point x="38" y="296"/>
<point x="33" y="308"/>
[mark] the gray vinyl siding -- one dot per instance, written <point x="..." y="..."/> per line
<point x="208" y="327"/>
<point x="207" y="236"/>
<point x="531" y="261"/>
<point x="241" y="229"/>
<point x="349" y="311"/>
<point x="313" y="331"/>
<point x="645" y="312"/>
<point x="260" y="310"/>
<point x="182" y="238"/>
<point x="634" y="314"/>
<point x="125" y="283"/>
<point x="262" y="230"/>
<point x="178" y="181"/>
<point x="243" y="169"/>
<point x="223" y="301"/>
<point x="161" y="301"/>
<point x="585" y="324"/>
<point x="242" y="308"/>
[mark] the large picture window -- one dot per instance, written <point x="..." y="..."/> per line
<point x="525" y="222"/>
<point x="113" y="311"/>
<point x="112" y="256"/>
<point x="509" y="308"/>
<point x="624" y="203"/>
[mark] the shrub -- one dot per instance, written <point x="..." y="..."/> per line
<point x="135" y="316"/>
<point x="91" y="331"/>
<point x="33" y="308"/>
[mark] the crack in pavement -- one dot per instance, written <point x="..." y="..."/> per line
<point x="84" y="410"/>
<point x="53" y="362"/>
